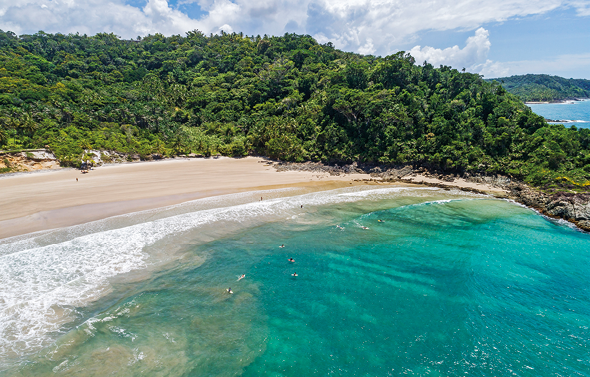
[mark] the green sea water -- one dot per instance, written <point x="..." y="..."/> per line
<point x="446" y="284"/>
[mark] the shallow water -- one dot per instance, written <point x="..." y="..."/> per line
<point x="447" y="284"/>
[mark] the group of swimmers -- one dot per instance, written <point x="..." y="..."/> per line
<point x="291" y="260"/>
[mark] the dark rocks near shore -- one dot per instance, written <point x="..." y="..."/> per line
<point x="569" y="206"/>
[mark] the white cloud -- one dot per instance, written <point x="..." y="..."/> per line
<point x="389" y="23"/>
<point x="582" y="7"/>
<point x="93" y="16"/>
<point x="366" y="26"/>
<point x="472" y="56"/>
<point x="570" y="65"/>
<point x="491" y="69"/>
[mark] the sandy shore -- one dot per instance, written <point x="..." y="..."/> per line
<point x="54" y="199"/>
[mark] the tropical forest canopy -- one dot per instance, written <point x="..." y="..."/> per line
<point x="287" y="97"/>
<point x="545" y="87"/>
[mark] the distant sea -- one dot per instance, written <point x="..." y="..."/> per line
<point x="390" y="281"/>
<point x="569" y="113"/>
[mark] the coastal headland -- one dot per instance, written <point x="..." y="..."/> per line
<point x="51" y="199"/>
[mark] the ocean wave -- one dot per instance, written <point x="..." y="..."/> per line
<point x="568" y="121"/>
<point x="42" y="285"/>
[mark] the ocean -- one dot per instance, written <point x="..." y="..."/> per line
<point x="568" y="113"/>
<point x="390" y="281"/>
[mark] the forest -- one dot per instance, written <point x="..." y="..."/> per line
<point x="288" y="98"/>
<point x="534" y="88"/>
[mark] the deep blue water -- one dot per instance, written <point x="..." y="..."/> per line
<point x="577" y="113"/>
<point x="447" y="284"/>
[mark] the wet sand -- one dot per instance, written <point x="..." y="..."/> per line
<point x="46" y="200"/>
<point x="53" y="199"/>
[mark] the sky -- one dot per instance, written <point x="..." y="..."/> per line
<point x="494" y="38"/>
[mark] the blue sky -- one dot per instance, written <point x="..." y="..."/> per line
<point x="493" y="38"/>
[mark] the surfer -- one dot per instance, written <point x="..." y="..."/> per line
<point x="364" y="227"/>
<point x="381" y="221"/>
<point x="291" y="260"/>
<point x="294" y="274"/>
<point x="339" y="227"/>
<point x="229" y="291"/>
<point x="241" y="277"/>
<point x="283" y="245"/>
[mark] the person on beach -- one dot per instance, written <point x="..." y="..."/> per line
<point x="291" y="260"/>
<point x="229" y="291"/>
<point x="76" y="179"/>
<point x="261" y="198"/>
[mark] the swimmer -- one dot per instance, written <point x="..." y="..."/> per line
<point x="241" y="277"/>
<point x="229" y="291"/>
<point x="294" y="274"/>
<point x="339" y="227"/>
<point x="291" y="260"/>
<point x="283" y="245"/>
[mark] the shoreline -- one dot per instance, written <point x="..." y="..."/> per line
<point x="570" y="100"/>
<point x="55" y="199"/>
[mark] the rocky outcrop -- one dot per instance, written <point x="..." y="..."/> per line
<point x="569" y="206"/>
<point x="318" y="167"/>
<point x="28" y="160"/>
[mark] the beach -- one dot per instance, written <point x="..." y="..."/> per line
<point x="382" y="268"/>
<point x="51" y="199"/>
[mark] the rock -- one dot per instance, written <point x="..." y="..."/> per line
<point x="584" y="224"/>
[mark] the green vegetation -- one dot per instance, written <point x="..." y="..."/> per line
<point x="287" y="97"/>
<point x="545" y="88"/>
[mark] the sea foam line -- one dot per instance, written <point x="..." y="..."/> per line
<point x="40" y="287"/>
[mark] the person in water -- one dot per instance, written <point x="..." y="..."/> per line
<point x="291" y="260"/>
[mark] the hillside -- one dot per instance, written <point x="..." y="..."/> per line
<point x="287" y="97"/>
<point x="545" y="88"/>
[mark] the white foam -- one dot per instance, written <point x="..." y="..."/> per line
<point x="41" y="286"/>
<point x="379" y="193"/>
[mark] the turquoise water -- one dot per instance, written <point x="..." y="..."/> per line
<point x="447" y="284"/>
<point x="576" y="113"/>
